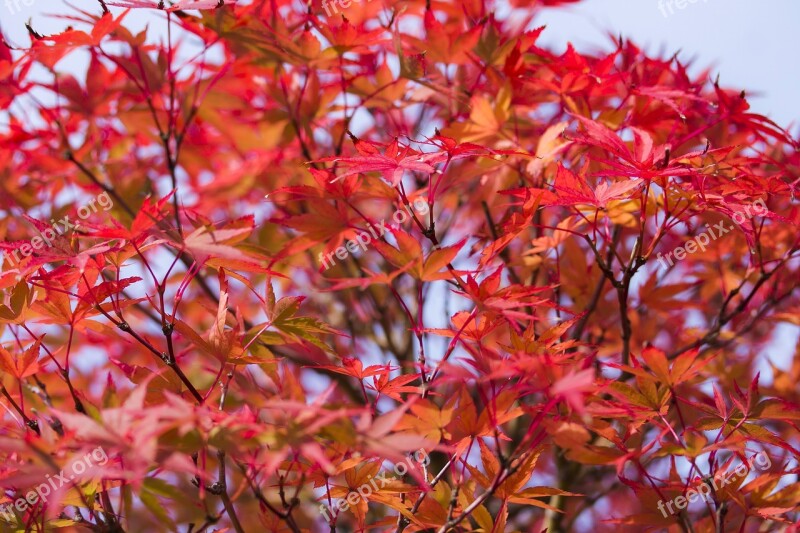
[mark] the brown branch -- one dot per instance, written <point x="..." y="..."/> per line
<point x="32" y="424"/>
<point x="402" y="521"/>
<point x="284" y="515"/>
<point x="501" y="476"/>
<point x="723" y="318"/>
<point x="226" y="499"/>
<point x="598" y="291"/>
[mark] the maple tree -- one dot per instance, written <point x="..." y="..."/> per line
<point x="521" y="336"/>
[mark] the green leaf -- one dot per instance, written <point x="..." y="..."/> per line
<point x="154" y="506"/>
<point x="160" y="487"/>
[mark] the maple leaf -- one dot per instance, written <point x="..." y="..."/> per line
<point x="504" y="301"/>
<point x="23" y="366"/>
<point x="487" y="118"/>
<point x="574" y="387"/>
<point x="353" y="367"/>
<point x="394" y="387"/>
<point x="571" y="189"/>
<point x="446" y="45"/>
<point x="391" y="163"/>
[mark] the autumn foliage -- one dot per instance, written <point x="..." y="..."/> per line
<point x="522" y="336"/>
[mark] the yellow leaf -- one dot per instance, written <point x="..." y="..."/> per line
<point x="550" y="145"/>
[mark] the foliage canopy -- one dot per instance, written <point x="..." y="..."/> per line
<point x="579" y="327"/>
